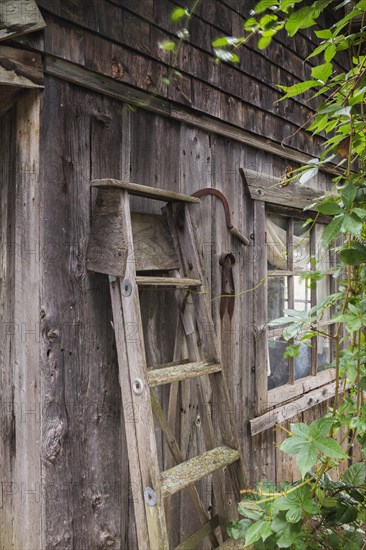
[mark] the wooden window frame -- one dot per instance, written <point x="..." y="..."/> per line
<point x="291" y="399"/>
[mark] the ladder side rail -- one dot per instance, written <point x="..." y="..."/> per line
<point x="139" y="396"/>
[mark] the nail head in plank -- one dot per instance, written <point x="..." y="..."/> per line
<point x="145" y="191"/>
<point x="196" y="468"/>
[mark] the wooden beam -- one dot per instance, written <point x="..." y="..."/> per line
<point x="19" y="17"/>
<point x="288" y="392"/>
<point x="285" y="412"/>
<point x="263" y="187"/>
<point x="76" y="74"/>
<point x="20" y="68"/>
<point x="145" y="191"/>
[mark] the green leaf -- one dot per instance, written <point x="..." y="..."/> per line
<point x="324" y="33"/>
<point x="345" y="513"/>
<point x="250" y="509"/>
<point x="322" y="72"/>
<point x="300" y="19"/>
<point x="308" y="174"/>
<point x="259" y="530"/>
<point x="352" y="224"/>
<point x="348" y="194"/>
<point x="292" y="445"/>
<point x="306" y="459"/>
<point x="293" y="515"/>
<point x="297" y="89"/>
<point x="264" y="41"/>
<point x="332" y="231"/>
<point x="225" y="55"/>
<point x="353" y="256"/>
<point x="177" y="14"/>
<point x="292" y="350"/>
<point x="330" y="52"/>
<point x="167" y="46"/>
<point x="330" y="447"/>
<point x="238" y="529"/>
<point x="264" y="5"/>
<point x="355" y="475"/>
<point x="329" y="207"/>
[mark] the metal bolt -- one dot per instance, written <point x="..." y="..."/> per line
<point x="138" y="386"/>
<point x="126" y="287"/>
<point x="150" y="496"/>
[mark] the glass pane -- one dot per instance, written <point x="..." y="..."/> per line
<point x="276" y="229"/>
<point x="278" y="366"/>
<point x="301" y="249"/>
<point x="277" y="299"/>
<point x="302" y="295"/>
<point x="303" y="362"/>
<point x="323" y="352"/>
<point x="323" y="263"/>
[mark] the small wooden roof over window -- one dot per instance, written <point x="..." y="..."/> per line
<point x="19" y="69"/>
<point x="264" y="187"/>
<point x="20" y="17"/>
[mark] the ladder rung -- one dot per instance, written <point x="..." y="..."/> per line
<point x="175" y="282"/>
<point x="199" y="535"/>
<point x="168" y="375"/>
<point x="232" y="544"/>
<point x="145" y="191"/>
<point x="196" y="468"/>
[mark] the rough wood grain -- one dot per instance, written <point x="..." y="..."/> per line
<point x="107" y="248"/>
<point x="84" y="457"/>
<point x="145" y="191"/>
<point x="280" y="414"/>
<point x="264" y="187"/>
<point x="289" y="392"/>
<point x="196" y="468"/>
<point x="168" y="282"/>
<point x="140" y="434"/>
<point x="27" y="281"/>
<point x="152" y="243"/>
<point x="20" y="68"/>
<point x="83" y="77"/>
<point x="8" y="447"/>
<point x="19" y="18"/>
<point x="177" y="373"/>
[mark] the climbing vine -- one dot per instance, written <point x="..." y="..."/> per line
<point x="317" y="512"/>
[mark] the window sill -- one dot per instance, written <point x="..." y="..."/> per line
<point x="290" y="400"/>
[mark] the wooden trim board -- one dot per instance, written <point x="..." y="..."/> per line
<point x="291" y="409"/>
<point x="79" y="75"/>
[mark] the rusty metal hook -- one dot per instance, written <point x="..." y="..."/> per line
<point x="216" y="193"/>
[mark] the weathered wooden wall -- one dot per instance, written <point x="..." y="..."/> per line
<point x="119" y="39"/>
<point x="85" y="496"/>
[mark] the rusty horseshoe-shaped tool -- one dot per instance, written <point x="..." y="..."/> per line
<point x="216" y="193"/>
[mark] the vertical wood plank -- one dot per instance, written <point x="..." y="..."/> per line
<point x="27" y="473"/>
<point x="260" y="308"/>
<point x="7" y="297"/>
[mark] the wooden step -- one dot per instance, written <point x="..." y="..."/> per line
<point x="168" y="282"/>
<point x="199" y="535"/>
<point x="145" y="191"/>
<point x="182" y="475"/>
<point x="232" y="544"/>
<point x="168" y="375"/>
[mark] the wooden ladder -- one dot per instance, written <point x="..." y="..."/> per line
<point x="111" y="251"/>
